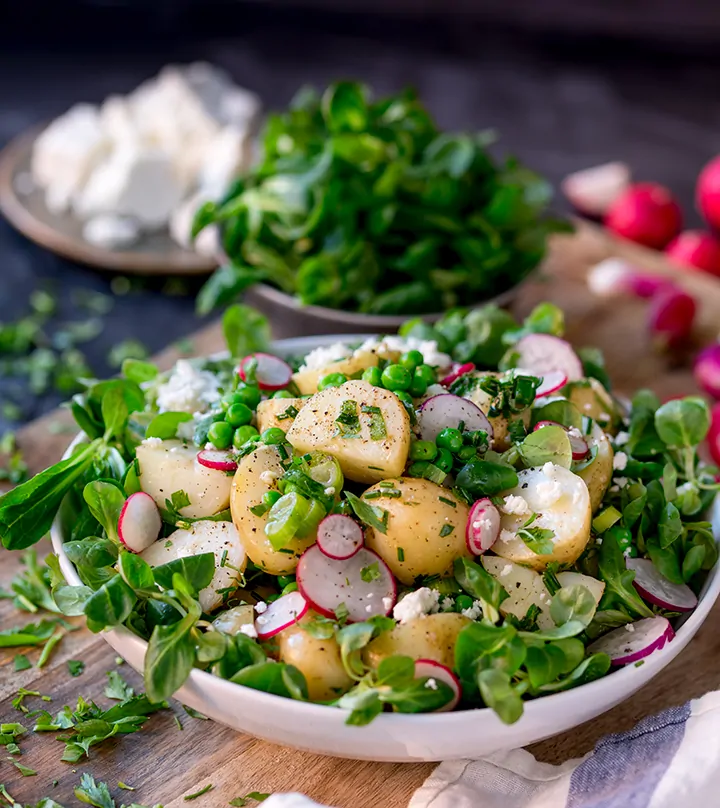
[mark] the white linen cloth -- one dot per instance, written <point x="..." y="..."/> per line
<point x="666" y="761"/>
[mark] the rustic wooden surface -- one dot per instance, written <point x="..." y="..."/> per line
<point x="165" y="764"/>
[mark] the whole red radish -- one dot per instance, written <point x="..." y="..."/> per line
<point x="646" y="213"/>
<point x="713" y="437"/>
<point x="696" y="249"/>
<point x="707" y="370"/>
<point x="707" y="193"/>
<point x="671" y="316"/>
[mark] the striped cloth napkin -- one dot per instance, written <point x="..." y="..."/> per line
<point x="671" y="760"/>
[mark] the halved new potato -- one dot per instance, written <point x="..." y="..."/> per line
<point x="257" y="474"/>
<point x="593" y="400"/>
<point x="598" y="474"/>
<point x="561" y="502"/>
<point x="425" y="528"/>
<point x="370" y="441"/>
<point x="570" y="578"/>
<point x="500" y="424"/>
<point x="430" y="637"/>
<point x="277" y="412"/>
<point x="219" y="538"/>
<point x="232" y="620"/>
<point x="317" y="658"/>
<point x="307" y="380"/>
<point x="525" y="588"/>
<point x="172" y="466"/>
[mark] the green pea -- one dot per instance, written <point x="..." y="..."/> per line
<point x="411" y="359"/>
<point x="418" y="468"/>
<point x="289" y="588"/>
<point x="220" y="434"/>
<point x="243" y="434"/>
<point x="239" y="414"/>
<point x="396" y="377"/>
<point x="426" y="373"/>
<point x="273" y="435"/>
<point x="444" y="460"/>
<point x="418" y="386"/>
<point x="372" y="375"/>
<point x="463" y="602"/>
<point x="332" y="380"/>
<point x="450" y="439"/>
<point x="285" y="580"/>
<point x="248" y="394"/>
<point x="270" y="498"/>
<point x="283" y="394"/>
<point x="467" y="453"/>
<point x="422" y="450"/>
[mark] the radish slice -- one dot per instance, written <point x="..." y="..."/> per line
<point x="327" y="583"/>
<point x="656" y="589"/>
<point x="435" y="670"/>
<point x="216" y="459"/>
<point x="593" y="190"/>
<point x="447" y="410"/>
<point x="280" y="614"/>
<point x="339" y="536"/>
<point x="483" y="526"/>
<point x="671" y="316"/>
<point x="707" y="370"/>
<point x="634" y="641"/>
<point x="713" y="438"/>
<point x="542" y="354"/>
<point x="272" y="373"/>
<point x="578" y="444"/>
<point x="139" y="523"/>
<point x="551" y="382"/>
<point x="457" y="372"/>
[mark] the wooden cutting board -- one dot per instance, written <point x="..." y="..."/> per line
<point x="165" y="763"/>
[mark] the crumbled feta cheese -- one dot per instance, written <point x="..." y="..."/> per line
<point x="330" y="491"/>
<point x="325" y="355"/>
<point x="474" y="612"/>
<point x="261" y="620"/>
<point x="152" y="442"/>
<point x="261" y="607"/>
<point x="506" y="535"/>
<point x="417" y="604"/>
<point x="629" y="627"/>
<point x="514" y="505"/>
<point x="188" y="389"/>
<point x="186" y="429"/>
<point x="549" y="469"/>
<point x="506" y="570"/>
<point x="621" y="482"/>
<point x="548" y="492"/>
<point x="447" y="604"/>
<point x="387" y="603"/>
<point x="396" y="344"/>
<point x="620" y="461"/>
<point x="622" y="438"/>
<point x="249" y="630"/>
<point x="268" y="476"/>
<point x="431" y="684"/>
<point x="368" y="608"/>
<point x="574" y="432"/>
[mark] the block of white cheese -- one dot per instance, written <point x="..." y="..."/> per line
<point x="111" y="232"/>
<point x="207" y="241"/>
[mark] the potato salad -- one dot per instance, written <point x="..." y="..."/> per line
<point x="460" y="516"/>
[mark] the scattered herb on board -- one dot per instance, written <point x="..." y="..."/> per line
<point x="242" y="802"/>
<point x="75" y="667"/>
<point x="204" y="790"/>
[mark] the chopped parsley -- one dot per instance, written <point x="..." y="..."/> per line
<point x="449" y="502"/>
<point x="378" y="430"/>
<point x="538" y="539"/>
<point x="348" y="421"/>
<point x="117" y="688"/>
<point x="342" y="613"/>
<point x="241" y="802"/>
<point x="400" y="554"/>
<point x="75" y="666"/>
<point x="24" y="770"/>
<point x="21" y="663"/>
<point x="370" y="573"/>
<point x="371" y="515"/>
<point x="446" y="530"/>
<point x="290" y="412"/>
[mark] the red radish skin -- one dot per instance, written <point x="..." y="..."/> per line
<point x="646" y="213"/>
<point x="656" y="589"/>
<point x="670" y="317"/>
<point x="696" y="250"/>
<point x="543" y="353"/>
<point x="436" y="670"/>
<point x="339" y="537"/>
<point x="551" y="383"/>
<point x="635" y="641"/>
<point x="707" y="193"/>
<point x="327" y="583"/>
<point x="281" y="614"/>
<point x="592" y="190"/>
<point x="139" y="523"/>
<point x="707" y="370"/>
<point x="483" y="526"/>
<point x="447" y="410"/>
<point x="216" y="459"/>
<point x="713" y="438"/>
<point x="614" y="277"/>
<point x="457" y="372"/>
<point x="578" y="444"/>
<point x="272" y="373"/>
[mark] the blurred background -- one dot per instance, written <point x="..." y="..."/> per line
<point x="568" y="85"/>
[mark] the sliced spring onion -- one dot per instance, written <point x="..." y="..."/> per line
<point x="285" y="517"/>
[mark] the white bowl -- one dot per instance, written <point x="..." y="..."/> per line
<point x="393" y="736"/>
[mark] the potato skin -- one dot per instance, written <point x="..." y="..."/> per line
<point x="317" y="658"/>
<point x="593" y="400"/>
<point x="415" y="520"/>
<point x="248" y="489"/>
<point x="598" y="474"/>
<point x="361" y="458"/>
<point x="307" y="380"/>
<point x="430" y="637"/>
<point x="269" y="409"/>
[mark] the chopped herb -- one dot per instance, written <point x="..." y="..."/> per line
<point x="371" y="515"/>
<point x="167" y="544"/>
<point x="119" y="660"/>
<point x="538" y="539"/>
<point x="94" y="792"/>
<point x="125" y="786"/>
<point x="194" y="713"/>
<point x="446" y="530"/>
<point x="376" y="468"/>
<point x="372" y="495"/>
<point x="449" y="502"/>
<point x="75" y="667"/>
<point x="21" y="663"/>
<point x="370" y="573"/>
<point x="117" y="688"/>
<point x="204" y="790"/>
<point x="19" y="701"/>
<point x="550" y="578"/>
<point x="290" y="412"/>
<point x="48" y="648"/>
<point x="259" y="510"/>
<point x="378" y="430"/>
<point x="178" y="724"/>
<point x="400" y="554"/>
<point x="342" y="613"/>
<point x="24" y="770"/>
<point x="241" y="802"/>
<point x="177" y="501"/>
<point x="348" y="421"/>
<point x="223" y="558"/>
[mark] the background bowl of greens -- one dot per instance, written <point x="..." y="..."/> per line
<point x="365" y="206"/>
<point x="397" y="736"/>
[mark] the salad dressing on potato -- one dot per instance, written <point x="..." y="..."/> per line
<point x="457" y="517"/>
